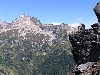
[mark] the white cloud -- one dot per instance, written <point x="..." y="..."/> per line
<point x="87" y="27"/>
<point x="55" y="23"/>
<point x="74" y="25"/>
<point x="89" y="23"/>
<point x="78" y="23"/>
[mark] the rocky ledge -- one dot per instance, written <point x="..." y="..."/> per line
<point x="86" y="47"/>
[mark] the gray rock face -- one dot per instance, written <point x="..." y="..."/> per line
<point x="97" y="11"/>
<point x="3" y="24"/>
<point x="25" y="25"/>
<point x="27" y="19"/>
<point x="86" y="42"/>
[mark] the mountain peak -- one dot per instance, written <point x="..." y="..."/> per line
<point x="25" y="19"/>
<point x="23" y="15"/>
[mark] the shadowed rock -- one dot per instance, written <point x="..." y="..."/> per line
<point x="86" y="45"/>
<point x="86" y="42"/>
<point x="97" y="11"/>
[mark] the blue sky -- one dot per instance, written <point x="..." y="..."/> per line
<point x="48" y="11"/>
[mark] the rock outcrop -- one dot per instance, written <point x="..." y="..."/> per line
<point x="86" y="42"/>
<point x="97" y="11"/>
<point x="26" y="20"/>
<point x="86" y="47"/>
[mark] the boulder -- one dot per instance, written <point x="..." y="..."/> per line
<point x="86" y="42"/>
<point x="97" y="11"/>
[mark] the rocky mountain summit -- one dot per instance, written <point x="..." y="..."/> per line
<point x="25" y="19"/>
<point x="25" y="24"/>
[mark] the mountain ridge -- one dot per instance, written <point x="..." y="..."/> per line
<point x="27" y="24"/>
